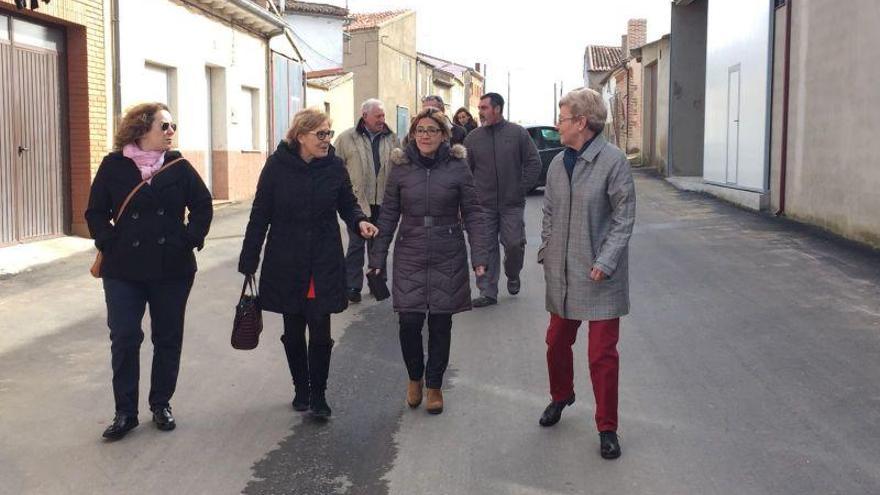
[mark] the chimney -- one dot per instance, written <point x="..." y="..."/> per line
<point x="477" y="67"/>
<point x="624" y="51"/>
<point x="636" y="33"/>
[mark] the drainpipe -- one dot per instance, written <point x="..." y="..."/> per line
<point x="117" y="86"/>
<point x="783" y="167"/>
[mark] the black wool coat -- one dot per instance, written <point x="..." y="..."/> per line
<point x="151" y="241"/>
<point x="297" y="203"/>
<point x="431" y="272"/>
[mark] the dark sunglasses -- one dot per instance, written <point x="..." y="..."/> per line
<point x="166" y="125"/>
<point x="322" y="135"/>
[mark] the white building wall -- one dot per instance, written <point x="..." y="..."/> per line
<point x="319" y="39"/>
<point x="738" y="34"/>
<point x="239" y="58"/>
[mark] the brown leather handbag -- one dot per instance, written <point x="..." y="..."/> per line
<point x="95" y="270"/>
<point x="248" y="323"/>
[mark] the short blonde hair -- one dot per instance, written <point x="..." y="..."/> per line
<point x="585" y="102"/>
<point x="435" y="115"/>
<point x="304" y="122"/>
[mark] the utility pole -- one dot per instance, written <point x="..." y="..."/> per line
<point x="508" y="95"/>
<point x="555" y="117"/>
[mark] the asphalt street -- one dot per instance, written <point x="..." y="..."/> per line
<point x="750" y="364"/>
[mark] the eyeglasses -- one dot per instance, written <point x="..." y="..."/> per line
<point x="322" y="135"/>
<point x="563" y="119"/>
<point x="166" y="125"/>
<point x="427" y="131"/>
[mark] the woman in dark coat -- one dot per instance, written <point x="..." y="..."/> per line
<point x="302" y="187"/>
<point x="464" y="118"/>
<point x="427" y="188"/>
<point x="148" y="255"/>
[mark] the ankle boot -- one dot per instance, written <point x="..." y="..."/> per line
<point x="414" y="393"/>
<point x="435" y="401"/>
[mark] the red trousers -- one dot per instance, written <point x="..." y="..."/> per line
<point x="604" y="364"/>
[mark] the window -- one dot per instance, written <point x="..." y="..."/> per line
<point x="402" y="120"/>
<point x="4" y="28"/>
<point x="248" y="119"/>
<point x="327" y="107"/>
<point x="28" y="33"/>
<point x="405" y="69"/>
<point x="158" y="84"/>
<point x="551" y="137"/>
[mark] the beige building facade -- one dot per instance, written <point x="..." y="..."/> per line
<point x="381" y="55"/>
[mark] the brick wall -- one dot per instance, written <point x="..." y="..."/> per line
<point x="86" y="96"/>
<point x="636" y="33"/>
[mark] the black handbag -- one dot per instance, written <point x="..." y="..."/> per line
<point x="248" y="323"/>
<point x="377" y="285"/>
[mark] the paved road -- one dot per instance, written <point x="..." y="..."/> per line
<point x="749" y="366"/>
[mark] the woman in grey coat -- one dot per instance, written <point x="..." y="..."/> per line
<point x="589" y="212"/>
<point x="429" y="188"/>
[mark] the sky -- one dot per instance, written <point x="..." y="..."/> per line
<point x="539" y="42"/>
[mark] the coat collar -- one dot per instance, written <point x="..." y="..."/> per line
<point x="289" y="154"/>
<point x="362" y="128"/>
<point x="589" y="154"/>
<point x="445" y="153"/>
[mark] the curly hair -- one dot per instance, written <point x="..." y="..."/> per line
<point x="435" y="115"/>
<point x="137" y="121"/>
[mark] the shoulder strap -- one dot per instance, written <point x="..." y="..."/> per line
<point x="140" y="185"/>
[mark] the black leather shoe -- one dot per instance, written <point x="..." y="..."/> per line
<point x="553" y="412"/>
<point x="354" y="296"/>
<point x="121" y="425"/>
<point x="320" y="408"/>
<point x="163" y="419"/>
<point x="513" y="285"/>
<point x="609" y="446"/>
<point x="300" y="401"/>
<point x="483" y="301"/>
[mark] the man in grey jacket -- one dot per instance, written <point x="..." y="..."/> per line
<point x="506" y="166"/>
<point x="366" y="150"/>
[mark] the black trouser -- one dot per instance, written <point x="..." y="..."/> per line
<point x="439" y="337"/>
<point x="309" y="366"/>
<point x="126" y="303"/>
<point x="354" y="257"/>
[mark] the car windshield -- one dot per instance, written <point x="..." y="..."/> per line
<point x="551" y="137"/>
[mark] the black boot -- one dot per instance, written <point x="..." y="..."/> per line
<point x="319" y="368"/>
<point x="298" y="362"/>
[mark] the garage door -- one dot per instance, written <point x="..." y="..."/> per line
<point x="32" y="164"/>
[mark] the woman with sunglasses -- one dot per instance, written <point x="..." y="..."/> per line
<point x="429" y="185"/>
<point x="301" y="189"/>
<point x="147" y="255"/>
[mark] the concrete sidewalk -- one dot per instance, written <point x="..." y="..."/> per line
<point x="24" y="257"/>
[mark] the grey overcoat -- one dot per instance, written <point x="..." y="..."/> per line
<point x="587" y="223"/>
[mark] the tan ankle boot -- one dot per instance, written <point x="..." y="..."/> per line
<point x="414" y="393"/>
<point x="435" y="401"/>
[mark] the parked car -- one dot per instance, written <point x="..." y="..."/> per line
<point x="546" y="138"/>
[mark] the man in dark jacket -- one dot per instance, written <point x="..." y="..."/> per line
<point x="506" y="166"/>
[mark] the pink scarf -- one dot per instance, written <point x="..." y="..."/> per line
<point x="148" y="162"/>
